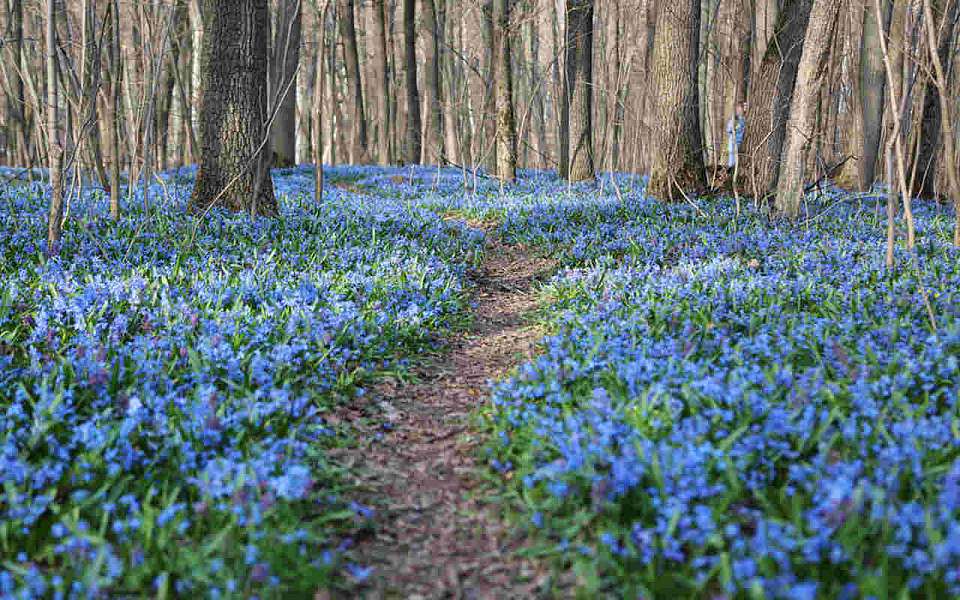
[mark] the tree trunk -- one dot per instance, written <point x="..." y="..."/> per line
<point x="433" y="149"/>
<point x="771" y="91"/>
<point x="382" y="80"/>
<point x="234" y="167"/>
<point x="114" y="109"/>
<point x="849" y="176"/>
<point x="16" y="101"/>
<point x="580" y="88"/>
<point x="872" y="81"/>
<point x="54" y="134"/>
<point x="412" y="147"/>
<point x="801" y="127"/>
<point x="678" y="153"/>
<point x="284" y="60"/>
<point x="931" y="122"/>
<point x="506" y="125"/>
<point x="358" y="118"/>
<point x="488" y="148"/>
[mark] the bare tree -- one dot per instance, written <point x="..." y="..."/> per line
<point x="580" y="88"/>
<point x="234" y="166"/>
<point x="678" y="153"/>
<point x="770" y="95"/>
<point x="412" y="147"/>
<point x="433" y="144"/>
<point x="382" y="80"/>
<point x="284" y="60"/>
<point x="506" y="124"/>
<point x="801" y="125"/>
<point x="358" y="117"/>
<point x="55" y="148"/>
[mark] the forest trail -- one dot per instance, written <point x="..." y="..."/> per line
<point x="432" y="538"/>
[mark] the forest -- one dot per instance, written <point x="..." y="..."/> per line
<point x="479" y="299"/>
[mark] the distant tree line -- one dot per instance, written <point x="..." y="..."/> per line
<point x="859" y="91"/>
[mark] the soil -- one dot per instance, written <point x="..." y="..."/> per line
<point x="434" y="533"/>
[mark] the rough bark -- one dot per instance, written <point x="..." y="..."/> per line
<point x="412" y="142"/>
<point x="284" y="60"/>
<point x="433" y="144"/>
<point x="358" y="117"/>
<point x="506" y="124"/>
<point x="678" y="153"/>
<point x="802" y="123"/>
<point x="849" y="176"/>
<point x="382" y="80"/>
<point x="580" y="88"/>
<point x="770" y="94"/>
<point x="234" y="158"/>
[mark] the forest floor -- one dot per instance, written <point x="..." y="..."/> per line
<point x="435" y="533"/>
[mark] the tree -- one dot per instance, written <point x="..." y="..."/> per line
<point x="803" y="108"/>
<point x="381" y="76"/>
<point x="580" y="89"/>
<point x="433" y="146"/>
<point x="284" y="60"/>
<point x="488" y="150"/>
<point x="930" y="142"/>
<point x="412" y="140"/>
<point x="234" y="168"/>
<point x="359" y="152"/>
<point x="769" y="96"/>
<point x="863" y="133"/>
<point x="54" y="133"/>
<point x="506" y="125"/>
<point x="678" y="153"/>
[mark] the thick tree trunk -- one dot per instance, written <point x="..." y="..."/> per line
<point x="412" y="147"/>
<point x="433" y="145"/>
<point x="849" y="176"/>
<point x="872" y="83"/>
<point x="234" y="167"/>
<point x="358" y="117"/>
<point x="801" y="127"/>
<point x="765" y="14"/>
<point x="382" y="80"/>
<point x="284" y="60"/>
<point x="580" y="88"/>
<point x="678" y="153"/>
<point x="771" y="91"/>
<point x="506" y="124"/>
<point x="863" y="141"/>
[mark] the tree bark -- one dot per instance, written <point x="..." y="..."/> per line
<point x="358" y="117"/>
<point x="771" y="92"/>
<point x="16" y="101"/>
<point x="801" y="127"/>
<point x="284" y="60"/>
<point x="488" y="147"/>
<point x="382" y="79"/>
<point x="54" y="134"/>
<point x="234" y="167"/>
<point x="678" y="153"/>
<point x="412" y="145"/>
<point x="580" y="88"/>
<point x="863" y="140"/>
<point x="506" y="124"/>
<point x="931" y="122"/>
<point x="434" y="152"/>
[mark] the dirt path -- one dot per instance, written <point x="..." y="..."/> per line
<point x="432" y="538"/>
